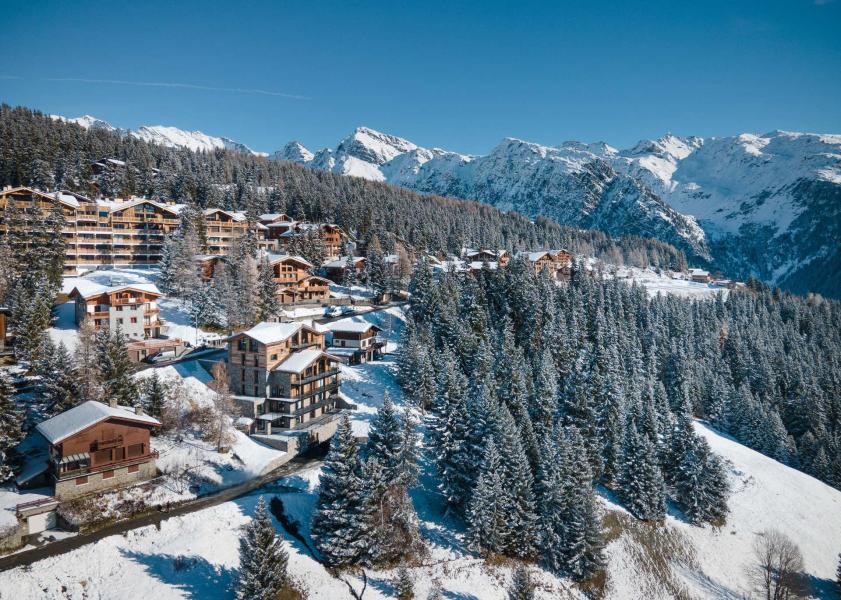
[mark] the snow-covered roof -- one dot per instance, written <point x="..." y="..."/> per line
<point x="298" y="361"/>
<point x="285" y="224"/>
<point x="273" y="216"/>
<point x="85" y="415"/>
<point x="235" y="215"/>
<point x="88" y="289"/>
<point x="341" y="262"/>
<point x="698" y="273"/>
<point x="274" y="258"/>
<point x="477" y="265"/>
<point x="534" y="256"/>
<point x="270" y="333"/>
<point x="121" y="206"/>
<point x="352" y="326"/>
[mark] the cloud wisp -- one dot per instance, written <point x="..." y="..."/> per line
<point x="185" y="86"/>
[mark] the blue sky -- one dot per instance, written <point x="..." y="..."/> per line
<point x="458" y="75"/>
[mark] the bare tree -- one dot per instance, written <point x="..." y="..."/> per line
<point x="777" y="573"/>
<point x="225" y="409"/>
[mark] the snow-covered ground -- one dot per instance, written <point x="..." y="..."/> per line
<point x="196" y="555"/>
<point x="677" y="284"/>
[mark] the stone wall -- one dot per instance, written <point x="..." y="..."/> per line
<point x="69" y="490"/>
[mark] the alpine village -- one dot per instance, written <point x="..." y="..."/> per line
<point x="225" y="374"/>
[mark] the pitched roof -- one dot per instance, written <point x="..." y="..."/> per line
<point x="90" y="289"/>
<point x="352" y="326"/>
<point x="341" y="262"/>
<point x="298" y="361"/>
<point x="121" y="206"/>
<point x="89" y="413"/>
<point x="271" y="333"/>
<point x="274" y="258"/>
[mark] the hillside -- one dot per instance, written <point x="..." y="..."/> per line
<point x="752" y="205"/>
<point x="48" y="153"/>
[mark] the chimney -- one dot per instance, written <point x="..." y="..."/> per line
<point x="138" y="409"/>
<point x="112" y="402"/>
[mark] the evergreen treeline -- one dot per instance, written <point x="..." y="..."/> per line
<point x="538" y="390"/>
<point x="46" y="153"/>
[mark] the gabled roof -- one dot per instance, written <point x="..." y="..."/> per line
<point x="119" y="207"/>
<point x="352" y="326"/>
<point x="66" y="198"/>
<point x="315" y="278"/>
<point x="272" y="217"/>
<point x="276" y="258"/>
<point x="235" y="215"/>
<point x="534" y="256"/>
<point x="272" y="333"/>
<point x="92" y="289"/>
<point x="85" y="415"/>
<point x="298" y="361"/>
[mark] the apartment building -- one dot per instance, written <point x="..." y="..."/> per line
<point x="281" y="376"/>
<point x="131" y="308"/>
<point x="557" y="262"/>
<point x="124" y="232"/>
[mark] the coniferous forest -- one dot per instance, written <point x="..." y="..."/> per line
<point x="538" y="391"/>
<point x="38" y="151"/>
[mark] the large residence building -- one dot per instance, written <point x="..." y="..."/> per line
<point x="95" y="446"/>
<point x="356" y="341"/>
<point x="131" y="308"/>
<point x="123" y="232"/>
<point x="294" y="282"/>
<point x="557" y="262"/>
<point x="281" y="376"/>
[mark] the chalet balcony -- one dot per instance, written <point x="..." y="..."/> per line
<point x="305" y="345"/>
<point x="316" y="377"/>
<point x="327" y="387"/>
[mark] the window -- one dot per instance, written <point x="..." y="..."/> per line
<point x="107" y="474"/>
<point x="274" y="357"/>
<point x="120" y="320"/>
<point x="134" y="319"/>
<point x="82" y="480"/>
<point x="133" y="468"/>
<point x="135" y="450"/>
<point x="119" y="454"/>
<point x="101" y="457"/>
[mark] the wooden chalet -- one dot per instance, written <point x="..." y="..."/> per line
<point x="356" y="341"/>
<point x="96" y="446"/>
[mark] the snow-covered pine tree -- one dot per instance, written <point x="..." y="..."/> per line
<point x="488" y="528"/>
<point x="268" y="306"/>
<point x="115" y="368"/>
<point x="339" y="526"/>
<point x="87" y="362"/>
<point x="11" y="419"/>
<point x="640" y="482"/>
<point x="349" y="275"/>
<point x="404" y="586"/>
<point x="391" y="466"/>
<point x="701" y="483"/>
<point x="521" y="587"/>
<point x="59" y="378"/>
<point x="263" y="559"/>
<point x="155" y="394"/>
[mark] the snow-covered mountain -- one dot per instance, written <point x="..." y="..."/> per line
<point x="761" y="205"/>
<point x="171" y="137"/>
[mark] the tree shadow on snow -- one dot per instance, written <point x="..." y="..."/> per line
<point x="192" y="575"/>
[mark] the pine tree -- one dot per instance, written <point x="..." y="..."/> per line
<point x="404" y="587"/>
<point x="640" y="483"/>
<point x="339" y="525"/>
<point x="115" y="368"/>
<point x="350" y="276"/>
<point x="488" y="527"/>
<point x="701" y="483"/>
<point x="521" y="587"/>
<point x="87" y="362"/>
<point x="263" y="559"/>
<point x="155" y="393"/>
<point x="60" y="388"/>
<point x="11" y="432"/>
<point x="268" y="306"/>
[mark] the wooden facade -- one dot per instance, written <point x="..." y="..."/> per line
<point x="284" y="374"/>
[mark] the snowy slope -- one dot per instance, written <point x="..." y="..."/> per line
<point x="172" y="137"/>
<point x="196" y="555"/>
<point x="709" y="562"/>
